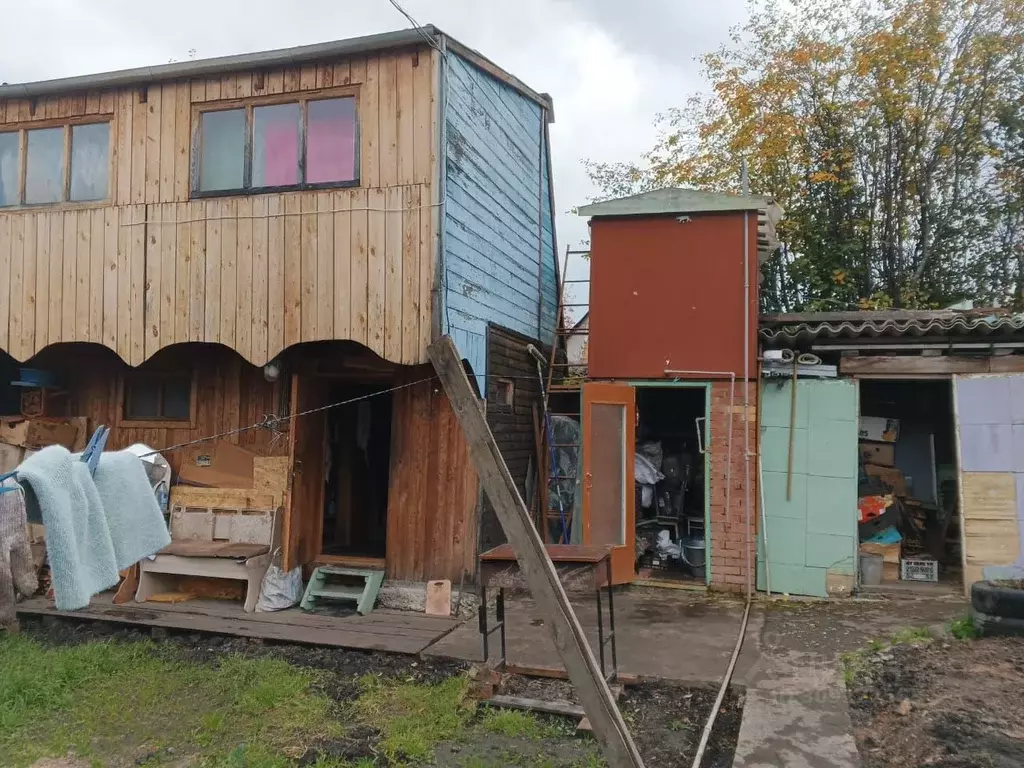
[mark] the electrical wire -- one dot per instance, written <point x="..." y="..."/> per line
<point x="272" y="422"/>
<point x="443" y="51"/>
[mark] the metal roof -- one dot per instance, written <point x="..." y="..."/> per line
<point x="795" y="328"/>
<point x="674" y="200"/>
<point x="280" y="57"/>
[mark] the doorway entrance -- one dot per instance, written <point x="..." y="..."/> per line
<point x="908" y="472"/>
<point x="357" y="465"/>
<point x="671" y="444"/>
<point x="645" y="478"/>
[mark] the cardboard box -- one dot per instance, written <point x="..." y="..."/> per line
<point x="878" y="428"/>
<point x="10" y="457"/>
<point x="218" y="464"/>
<point x="890" y="552"/>
<point x="39" y="433"/>
<point x="890" y="477"/>
<point x="881" y="454"/>
<point x="890" y="571"/>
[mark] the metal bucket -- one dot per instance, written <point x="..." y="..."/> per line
<point x="692" y="550"/>
<point x="870" y="569"/>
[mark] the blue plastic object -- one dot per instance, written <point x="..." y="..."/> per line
<point x="91" y="455"/>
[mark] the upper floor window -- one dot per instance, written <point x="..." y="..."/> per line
<point x="304" y="143"/>
<point x="65" y="163"/>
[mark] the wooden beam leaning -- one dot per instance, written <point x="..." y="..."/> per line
<point x="570" y="641"/>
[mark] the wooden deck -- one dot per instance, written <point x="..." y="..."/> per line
<point x="380" y="630"/>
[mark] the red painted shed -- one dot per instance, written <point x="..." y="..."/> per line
<point x="667" y="284"/>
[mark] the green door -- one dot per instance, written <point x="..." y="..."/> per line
<point x="813" y="533"/>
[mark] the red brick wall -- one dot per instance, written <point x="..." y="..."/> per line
<point x="729" y="524"/>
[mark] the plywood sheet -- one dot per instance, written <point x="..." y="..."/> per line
<point x="439" y="598"/>
<point x="989" y="496"/>
<point x="270" y="475"/>
<point x="991" y="526"/>
<point x="222" y="497"/>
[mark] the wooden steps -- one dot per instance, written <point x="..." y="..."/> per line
<point x="332" y="582"/>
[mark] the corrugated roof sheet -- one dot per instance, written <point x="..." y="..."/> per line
<point x="788" y="329"/>
<point x="672" y="200"/>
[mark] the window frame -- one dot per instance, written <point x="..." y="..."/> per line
<point x="508" y="385"/>
<point x="249" y="104"/>
<point x="125" y="379"/>
<point x="67" y="124"/>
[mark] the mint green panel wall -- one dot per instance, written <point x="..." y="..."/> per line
<point x="815" y="530"/>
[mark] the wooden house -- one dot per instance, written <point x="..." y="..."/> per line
<point x="670" y="375"/>
<point x="197" y="247"/>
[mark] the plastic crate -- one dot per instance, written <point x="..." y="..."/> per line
<point x="919" y="569"/>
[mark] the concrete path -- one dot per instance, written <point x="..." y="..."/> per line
<point x="664" y="633"/>
<point x="796" y="712"/>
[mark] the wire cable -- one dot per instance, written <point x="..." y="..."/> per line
<point x="272" y="422"/>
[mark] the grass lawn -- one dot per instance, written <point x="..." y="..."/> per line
<point x="114" y="703"/>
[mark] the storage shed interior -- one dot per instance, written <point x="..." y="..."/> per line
<point x="671" y="437"/>
<point x="908" y="480"/>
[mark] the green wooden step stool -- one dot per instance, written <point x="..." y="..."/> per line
<point x="325" y="585"/>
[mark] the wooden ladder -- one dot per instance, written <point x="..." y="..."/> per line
<point x="331" y="582"/>
<point x="563" y="376"/>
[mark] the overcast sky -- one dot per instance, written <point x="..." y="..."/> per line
<point x="610" y="65"/>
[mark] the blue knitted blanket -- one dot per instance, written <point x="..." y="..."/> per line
<point x="137" y="527"/>
<point x="78" y="542"/>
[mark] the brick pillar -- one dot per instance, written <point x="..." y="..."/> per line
<point x="728" y="552"/>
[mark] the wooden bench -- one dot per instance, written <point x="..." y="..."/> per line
<point x="214" y="543"/>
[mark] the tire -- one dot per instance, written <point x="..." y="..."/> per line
<point x="993" y="600"/>
<point x="988" y="625"/>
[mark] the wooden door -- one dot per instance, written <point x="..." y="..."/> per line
<point x="302" y="532"/>
<point x="609" y="500"/>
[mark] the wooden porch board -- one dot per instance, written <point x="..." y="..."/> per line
<point x="381" y="630"/>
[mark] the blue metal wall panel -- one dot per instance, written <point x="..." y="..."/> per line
<point x="990" y="422"/>
<point x="498" y="220"/>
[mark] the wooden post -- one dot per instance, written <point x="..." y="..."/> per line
<point x="539" y="572"/>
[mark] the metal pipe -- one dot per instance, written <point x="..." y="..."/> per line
<point x="760" y="483"/>
<point x="746" y="392"/>
<point x="764" y="527"/>
<point x="709" y="726"/>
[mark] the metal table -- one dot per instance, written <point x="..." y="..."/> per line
<point x="580" y="569"/>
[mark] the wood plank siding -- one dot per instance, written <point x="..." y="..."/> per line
<point x="152" y="266"/>
<point x="510" y="364"/>
<point x="498" y="231"/>
<point x="432" y="501"/>
<point x="229" y="394"/>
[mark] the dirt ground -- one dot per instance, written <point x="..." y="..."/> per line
<point x="665" y="719"/>
<point x="944" y="703"/>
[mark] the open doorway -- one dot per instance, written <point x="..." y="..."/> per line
<point x="907" y="483"/>
<point x="670" y="482"/>
<point x="356" y="472"/>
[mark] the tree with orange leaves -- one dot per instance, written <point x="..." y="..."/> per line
<point x="891" y="131"/>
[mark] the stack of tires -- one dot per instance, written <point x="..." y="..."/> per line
<point x="997" y="610"/>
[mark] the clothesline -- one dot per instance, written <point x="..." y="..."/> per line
<point x="271" y="422"/>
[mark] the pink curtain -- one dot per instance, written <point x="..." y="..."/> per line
<point x="330" y="145"/>
<point x="280" y="151"/>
